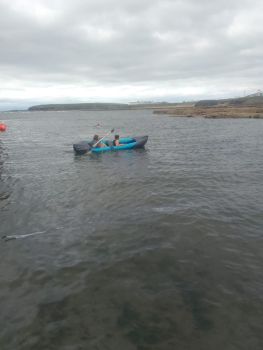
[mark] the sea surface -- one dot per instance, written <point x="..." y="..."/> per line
<point x="155" y="249"/>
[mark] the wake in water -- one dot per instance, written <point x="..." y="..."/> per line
<point x="12" y="237"/>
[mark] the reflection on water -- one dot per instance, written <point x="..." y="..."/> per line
<point x="146" y="249"/>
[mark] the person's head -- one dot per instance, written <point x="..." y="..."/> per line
<point x="117" y="137"/>
<point x="96" y="138"/>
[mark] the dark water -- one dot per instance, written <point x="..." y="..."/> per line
<point x="154" y="249"/>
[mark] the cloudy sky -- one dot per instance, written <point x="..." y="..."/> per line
<point x="128" y="50"/>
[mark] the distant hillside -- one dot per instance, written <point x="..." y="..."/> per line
<point x="102" y="106"/>
<point x="81" y="107"/>
<point x="248" y="101"/>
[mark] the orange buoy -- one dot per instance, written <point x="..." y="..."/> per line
<point x="2" y="127"/>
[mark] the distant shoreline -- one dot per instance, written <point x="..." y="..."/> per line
<point x="243" y="107"/>
<point x="213" y="112"/>
<point x="97" y="107"/>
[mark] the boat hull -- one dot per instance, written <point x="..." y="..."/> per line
<point x="127" y="143"/>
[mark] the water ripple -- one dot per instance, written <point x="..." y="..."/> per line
<point x="157" y="249"/>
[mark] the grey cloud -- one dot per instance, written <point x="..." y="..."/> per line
<point x="130" y="42"/>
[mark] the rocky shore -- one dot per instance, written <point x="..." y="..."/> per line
<point x="213" y="112"/>
<point x="250" y="106"/>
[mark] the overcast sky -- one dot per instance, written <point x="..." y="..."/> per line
<point x="128" y="50"/>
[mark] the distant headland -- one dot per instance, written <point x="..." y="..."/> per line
<point x="95" y="106"/>
<point x="243" y="107"/>
<point x="79" y="107"/>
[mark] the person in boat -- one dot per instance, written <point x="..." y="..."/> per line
<point x="95" y="140"/>
<point x="116" y="141"/>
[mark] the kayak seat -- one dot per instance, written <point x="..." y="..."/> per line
<point x="109" y="143"/>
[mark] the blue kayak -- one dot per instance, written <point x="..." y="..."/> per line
<point x="126" y="143"/>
